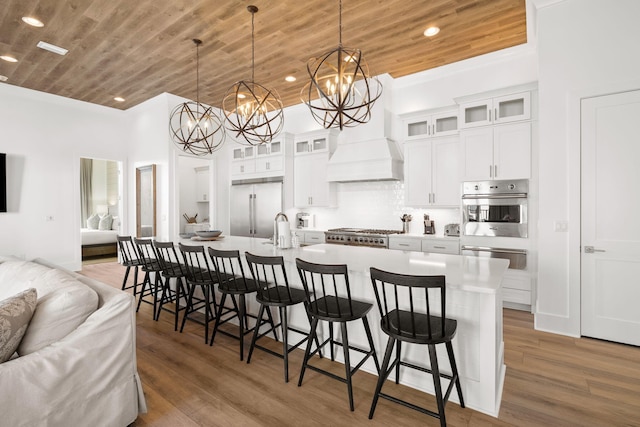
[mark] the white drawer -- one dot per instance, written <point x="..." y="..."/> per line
<point x="516" y="296"/>
<point x="405" y="244"/>
<point x="441" y="246"/>
<point x="516" y="279"/>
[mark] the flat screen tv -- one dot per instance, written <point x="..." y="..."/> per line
<point x="3" y="182"/>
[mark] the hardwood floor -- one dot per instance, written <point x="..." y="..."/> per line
<point x="551" y="380"/>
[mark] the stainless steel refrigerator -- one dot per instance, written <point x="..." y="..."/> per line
<point x="254" y="208"/>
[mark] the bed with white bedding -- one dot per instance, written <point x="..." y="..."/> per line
<point x="96" y="242"/>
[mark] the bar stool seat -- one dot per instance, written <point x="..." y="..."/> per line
<point x="409" y="318"/>
<point x="329" y="299"/>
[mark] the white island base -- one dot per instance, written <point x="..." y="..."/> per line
<point x="473" y="298"/>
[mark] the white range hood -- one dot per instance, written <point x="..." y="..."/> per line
<point x="372" y="160"/>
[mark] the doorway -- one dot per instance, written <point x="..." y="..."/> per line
<point x="610" y="230"/>
<point x="100" y="208"/>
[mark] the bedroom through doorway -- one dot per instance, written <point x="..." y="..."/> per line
<point x="100" y="209"/>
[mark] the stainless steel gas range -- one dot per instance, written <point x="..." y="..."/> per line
<point x="359" y="237"/>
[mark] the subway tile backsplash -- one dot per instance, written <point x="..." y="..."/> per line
<point x="376" y="204"/>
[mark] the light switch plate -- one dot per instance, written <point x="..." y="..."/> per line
<point x="561" y="226"/>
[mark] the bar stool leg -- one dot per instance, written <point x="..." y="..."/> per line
<point x="218" y="315"/>
<point x="126" y="276"/>
<point x="255" y="332"/>
<point x="135" y="281"/>
<point x="241" y="323"/>
<point x="454" y="371"/>
<point x="384" y="373"/>
<point x="307" y="351"/>
<point x="365" y="322"/>
<point x="347" y="362"/>
<point x="188" y="307"/>
<point x="435" y="372"/>
<point x="285" y="345"/>
<point x="398" y="350"/>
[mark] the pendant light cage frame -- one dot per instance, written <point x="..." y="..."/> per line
<point x="252" y="112"/>
<point x="340" y="93"/>
<point x="194" y="127"/>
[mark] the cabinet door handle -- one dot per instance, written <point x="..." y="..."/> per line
<point x="495" y="171"/>
<point x="490" y="171"/>
<point x="495" y="114"/>
<point x="439" y="247"/>
<point x="268" y="166"/>
<point x="242" y="169"/>
<point x="403" y="244"/>
<point x="489" y="114"/>
<point x="433" y="198"/>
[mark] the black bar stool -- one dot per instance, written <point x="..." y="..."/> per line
<point x="274" y="291"/>
<point x="329" y="299"/>
<point x="232" y="281"/>
<point x="199" y="275"/>
<point x="408" y="318"/>
<point x="129" y="259"/>
<point x="150" y="264"/>
<point x="171" y="269"/>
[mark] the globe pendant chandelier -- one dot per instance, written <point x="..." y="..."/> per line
<point x="340" y="93"/>
<point x="194" y="127"/>
<point x="253" y="113"/>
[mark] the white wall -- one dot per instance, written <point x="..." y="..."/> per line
<point x="44" y="137"/>
<point x="586" y="48"/>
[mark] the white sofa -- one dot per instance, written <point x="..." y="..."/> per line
<point x="88" y="375"/>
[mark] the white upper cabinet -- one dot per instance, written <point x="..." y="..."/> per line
<point x="262" y="161"/>
<point x="312" y="153"/>
<point x="432" y="175"/>
<point x="430" y="123"/>
<point x="501" y="109"/>
<point x="322" y="141"/>
<point x="496" y="152"/>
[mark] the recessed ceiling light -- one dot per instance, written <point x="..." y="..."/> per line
<point x="34" y="22"/>
<point x="290" y="79"/>
<point x="431" y="31"/>
<point x="4" y="78"/>
<point x="119" y="99"/>
<point x="8" y="58"/>
<point x="52" y="48"/>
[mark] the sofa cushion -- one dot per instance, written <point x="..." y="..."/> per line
<point x="15" y="314"/>
<point x="65" y="305"/>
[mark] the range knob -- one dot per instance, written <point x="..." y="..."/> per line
<point x="511" y="186"/>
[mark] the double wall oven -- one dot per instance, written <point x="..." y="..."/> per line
<point x="495" y="209"/>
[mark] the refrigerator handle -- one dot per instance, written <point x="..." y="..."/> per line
<point x="251" y="214"/>
<point x="255" y="219"/>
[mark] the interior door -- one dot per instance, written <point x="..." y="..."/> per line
<point x="610" y="272"/>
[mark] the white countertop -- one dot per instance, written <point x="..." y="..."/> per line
<point x="474" y="274"/>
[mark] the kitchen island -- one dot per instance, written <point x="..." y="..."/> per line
<point x="474" y="287"/>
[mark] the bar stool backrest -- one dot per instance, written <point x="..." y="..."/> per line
<point x="147" y="254"/>
<point x="405" y="305"/>
<point x="168" y="259"/>
<point x="323" y="284"/>
<point x="269" y="274"/>
<point x="228" y="266"/>
<point x="196" y="264"/>
<point x="128" y="252"/>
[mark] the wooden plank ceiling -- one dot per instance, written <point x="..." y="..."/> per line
<point x="139" y="49"/>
